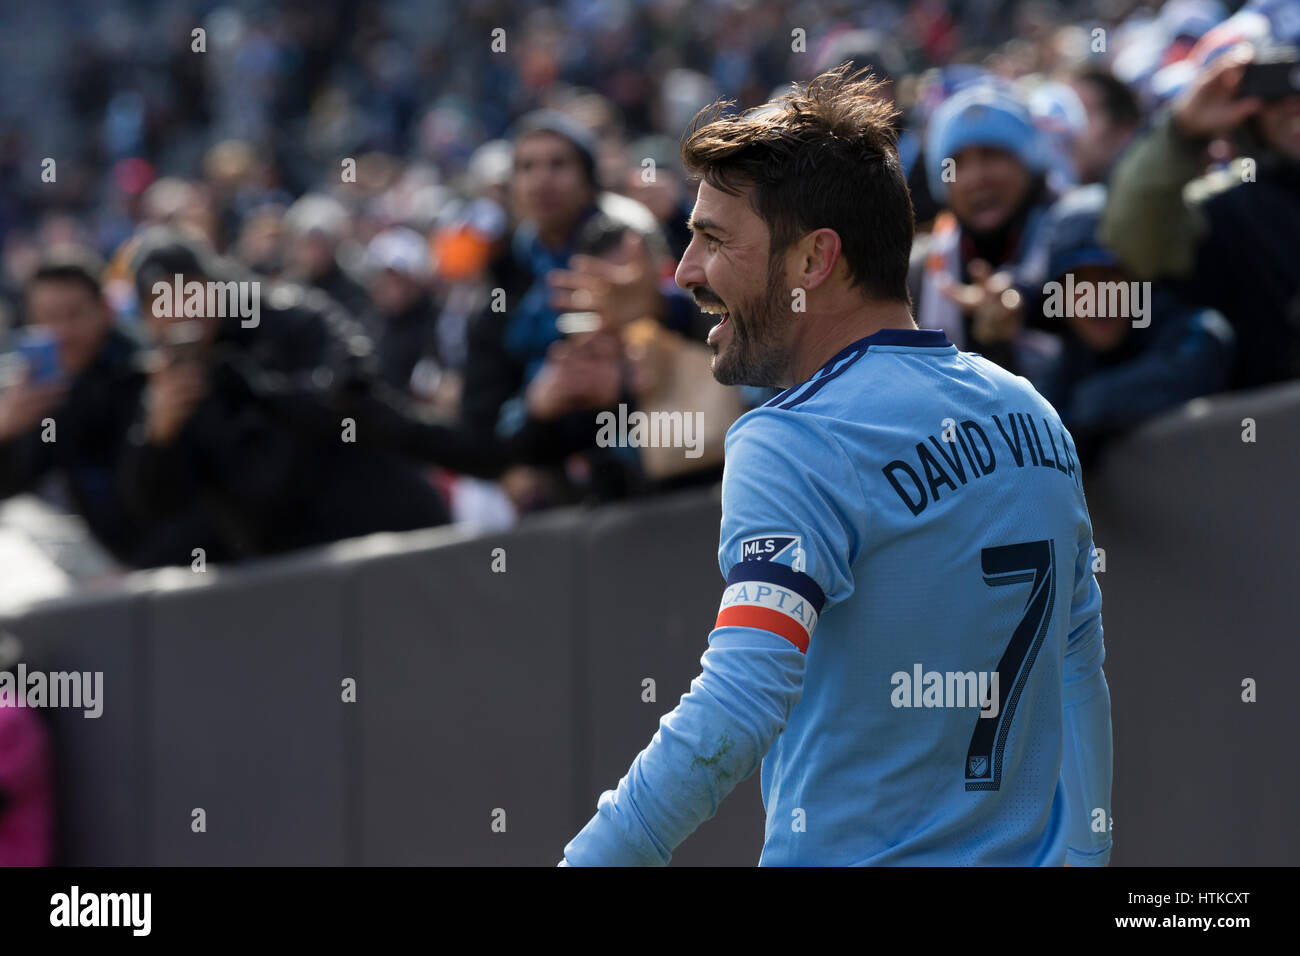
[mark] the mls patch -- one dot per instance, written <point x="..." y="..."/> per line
<point x="767" y="547"/>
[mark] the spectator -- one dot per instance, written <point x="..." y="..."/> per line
<point x="973" y="276"/>
<point x="1113" y="120"/>
<point x="252" y="422"/>
<point x="1111" y="375"/>
<point x="260" y="242"/>
<point x="90" y="408"/>
<point x="172" y="201"/>
<point x="467" y="237"/>
<point x="316" y="225"/>
<point x="555" y="193"/>
<point x="1228" y="237"/>
<point x="584" y="372"/>
<point x="1062" y="121"/>
<point x="403" y="321"/>
<point x="635" y="360"/>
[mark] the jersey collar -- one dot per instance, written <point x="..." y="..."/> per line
<point x="908" y="338"/>
<point x="893" y="338"/>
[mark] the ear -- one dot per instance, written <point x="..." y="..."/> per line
<point x="815" y="258"/>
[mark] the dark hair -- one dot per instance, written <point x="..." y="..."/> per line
<point x="824" y="156"/>
<point x="68" y="264"/>
<point x="571" y="131"/>
<point x="1117" y="100"/>
<point x="164" y="252"/>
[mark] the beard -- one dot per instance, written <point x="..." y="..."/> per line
<point x="756" y="354"/>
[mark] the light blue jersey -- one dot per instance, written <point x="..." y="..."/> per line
<point x="910" y="636"/>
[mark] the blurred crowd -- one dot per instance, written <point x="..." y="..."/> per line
<point x="455" y="227"/>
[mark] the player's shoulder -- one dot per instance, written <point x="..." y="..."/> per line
<point x="791" y="504"/>
<point x="788" y="460"/>
<point x="1007" y="385"/>
<point x="770" y="431"/>
<point x="996" y="375"/>
<point x="761" y="420"/>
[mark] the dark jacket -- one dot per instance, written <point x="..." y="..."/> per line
<point x="494" y="371"/>
<point x="265" y="452"/>
<point x="1185" y="353"/>
<point x="506" y="347"/>
<point x="92" y="425"/>
<point x="402" y="340"/>
<point x="345" y="290"/>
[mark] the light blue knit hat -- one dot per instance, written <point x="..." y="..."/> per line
<point x="981" y="115"/>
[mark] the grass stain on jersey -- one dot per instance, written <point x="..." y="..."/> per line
<point x="714" y="763"/>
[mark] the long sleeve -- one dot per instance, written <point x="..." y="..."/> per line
<point x="492" y="376"/>
<point x="1086" y="760"/>
<point x="715" y="738"/>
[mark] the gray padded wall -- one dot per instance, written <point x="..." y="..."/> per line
<point x="654" y="587"/>
<point x="102" y="764"/>
<point x="466" y="701"/>
<point x="1202" y="540"/>
<point x="244" y="680"/>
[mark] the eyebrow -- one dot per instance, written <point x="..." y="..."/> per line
<point x="703" y="225"/>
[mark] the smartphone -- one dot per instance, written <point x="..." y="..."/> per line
<point x="40" y="352"/>
<point x="1273" y="75"/>
<point x="183" y="341"/>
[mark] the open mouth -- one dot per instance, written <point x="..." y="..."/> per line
<point x="720" y="311"/>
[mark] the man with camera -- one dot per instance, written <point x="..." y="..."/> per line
<point x="262" y="424"/>
<point x="1228" y="237"/>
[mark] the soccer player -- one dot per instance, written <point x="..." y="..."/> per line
<point x="910" y="636"/>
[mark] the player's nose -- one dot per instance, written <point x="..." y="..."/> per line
<point x="689" y="273"/>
